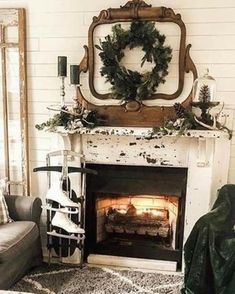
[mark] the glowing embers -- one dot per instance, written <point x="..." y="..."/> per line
<point x="142" y="215"/>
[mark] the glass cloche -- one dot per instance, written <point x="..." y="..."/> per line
<point x="204" y="88"/>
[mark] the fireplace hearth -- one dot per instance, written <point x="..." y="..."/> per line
<point x="136" y="211"/>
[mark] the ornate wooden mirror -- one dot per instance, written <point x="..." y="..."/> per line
<point x="157" y="106"/>
<point x="13" y="101"/>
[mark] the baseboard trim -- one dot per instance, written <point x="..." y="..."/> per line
<point x="129" y="262"/>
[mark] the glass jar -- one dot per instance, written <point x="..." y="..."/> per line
<point x="204" y="88"/>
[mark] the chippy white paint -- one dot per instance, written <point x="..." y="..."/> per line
<point x="204" y="153"/>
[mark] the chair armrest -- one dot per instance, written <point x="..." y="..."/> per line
<point x="24" y="208"/>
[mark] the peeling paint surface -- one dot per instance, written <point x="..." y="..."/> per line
<point x="204" y="153"/>
<point x="132" y="151"/>
<point x="143" y="133"/>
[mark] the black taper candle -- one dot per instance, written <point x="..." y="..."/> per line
<point x="62" y="66"/>
<point x="74" y="74"/>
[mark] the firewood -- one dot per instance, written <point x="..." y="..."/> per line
<point x="139" y="230"/>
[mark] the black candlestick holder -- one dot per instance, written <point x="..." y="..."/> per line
<point x="205" y="107"/>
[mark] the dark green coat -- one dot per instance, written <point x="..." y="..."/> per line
<point x="210" y="249"/>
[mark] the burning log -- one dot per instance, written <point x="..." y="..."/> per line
<point x="130" y="221"/>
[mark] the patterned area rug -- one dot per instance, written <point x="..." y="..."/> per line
<point x="60" y="279"/>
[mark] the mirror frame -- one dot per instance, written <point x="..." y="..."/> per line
<point x="135" y="113"/>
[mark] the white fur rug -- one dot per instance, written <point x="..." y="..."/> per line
<point x="60" y="279"/>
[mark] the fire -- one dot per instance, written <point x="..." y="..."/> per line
<point x="143" y="211"/>
<point x="122" y="211"/>
<point x="148" y="206"/>
<point x="154" y="212"/>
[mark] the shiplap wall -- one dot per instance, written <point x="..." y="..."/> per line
<point x="59" y="27"/>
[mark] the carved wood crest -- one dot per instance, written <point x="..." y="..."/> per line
<point x="134" y="113"/>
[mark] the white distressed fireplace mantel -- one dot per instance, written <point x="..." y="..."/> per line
<point x="203" y="138"/>
<point x="204" y="153"/>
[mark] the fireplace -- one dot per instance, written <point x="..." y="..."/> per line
<point x="136" y="211"/>
<point x="132" y="164"/>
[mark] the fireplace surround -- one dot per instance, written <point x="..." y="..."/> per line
<point x="203" y="156"/>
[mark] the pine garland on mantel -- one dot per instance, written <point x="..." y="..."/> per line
<point x="131" y="85"/>
<point x="71" y="118"/>
<point x="76" y="117"/>
<point x="185" y="121"/>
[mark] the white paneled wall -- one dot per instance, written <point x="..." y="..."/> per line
<point x="59" y="27"/>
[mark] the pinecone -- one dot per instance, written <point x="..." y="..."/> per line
<point x="179" y="110"/>
<point x="204" y="94"/>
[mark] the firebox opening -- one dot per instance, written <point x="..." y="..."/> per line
<point x="137" y="219"/>
<point x="136" y="211"/>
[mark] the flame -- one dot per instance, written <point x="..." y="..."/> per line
<point x="122" y="211"/>
<point x="146" y="206"/>
<point x="140" y="211"/>
<point x="154" y="212"/>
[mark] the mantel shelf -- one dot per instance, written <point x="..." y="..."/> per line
<point x="142" y="132"/>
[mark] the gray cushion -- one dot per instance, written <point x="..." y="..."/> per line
<point x="16" y="237"/>
<point x="23" y="208"/>
<point x="4" y="214"/>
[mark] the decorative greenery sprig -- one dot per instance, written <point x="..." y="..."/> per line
<point x="71" y="119"/>
<point x="127" y="84"/>
<point x="187" y="120"/>
<point x="184" y="121"/>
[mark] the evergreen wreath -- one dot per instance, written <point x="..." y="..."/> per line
<point x="131" y="85"/>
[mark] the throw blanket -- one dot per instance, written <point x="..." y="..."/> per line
<point x="210" y="249"/>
